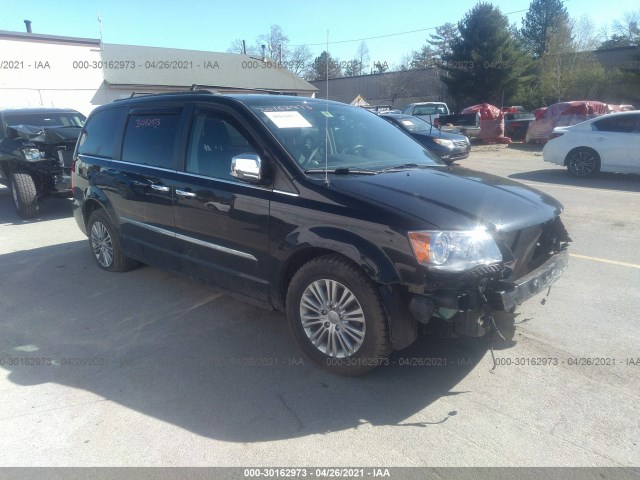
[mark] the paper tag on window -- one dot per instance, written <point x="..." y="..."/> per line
<point x="288" y="119"/>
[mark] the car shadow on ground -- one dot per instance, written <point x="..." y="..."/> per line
<point x="48" y="209"/>
<point x="177" y="350"/>
<point x="604" y="180"/>
<point x="526" y="147"/>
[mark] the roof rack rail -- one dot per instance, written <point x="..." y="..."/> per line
<point x="182" y="92"/>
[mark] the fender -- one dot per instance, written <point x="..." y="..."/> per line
<point x="368" y="256"/>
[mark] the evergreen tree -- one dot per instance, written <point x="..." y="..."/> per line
<point x="318" y="69"/>
<point x="442" y="40"/>
<point x="485" y="63"/>
<point x="541" y="18"/>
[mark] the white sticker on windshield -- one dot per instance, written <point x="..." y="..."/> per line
<point x="288" y="119"/>
<point x="408" y="123"/>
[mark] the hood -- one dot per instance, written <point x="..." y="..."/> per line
<point x="454" y="198"/>
<point x="435" y="133"/>
<point x="44" y="134"/>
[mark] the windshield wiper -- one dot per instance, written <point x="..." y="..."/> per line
<point x="404" y="166"/>
<point x="343" y="171"/>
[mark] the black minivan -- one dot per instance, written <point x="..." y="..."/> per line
<point x="315" y="208"/>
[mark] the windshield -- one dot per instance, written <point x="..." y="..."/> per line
<point x="44" y="119"/>
<point x="431" y="109"/>
<point x="414" y="124"/>
<point x="345" y="137"/>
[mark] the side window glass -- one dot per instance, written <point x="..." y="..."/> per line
<point x="621" y="124"/>
<point x="100" y="134"/>
<point x="150" y="140"/>
<point x="214" y="141"/>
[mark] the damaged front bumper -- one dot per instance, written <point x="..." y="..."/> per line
<point x="531" y="284"/>
<point x="462" y="310"/>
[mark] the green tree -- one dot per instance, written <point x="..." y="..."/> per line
<point x="442" y="40"/>
<point x="437" y="47"/>
<point x="541" y="18"/>
<point x="352" y="68"/>
<point x="321" y="65"/>
<point x="485" y="63"/>
<point x="423" y="58"/>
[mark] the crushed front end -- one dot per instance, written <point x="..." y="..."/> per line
<point x="460" y="303"/>
<point x="46" y="153"/>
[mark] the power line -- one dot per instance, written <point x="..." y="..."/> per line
<point x="389" y="34"/>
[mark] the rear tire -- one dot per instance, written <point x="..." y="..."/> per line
<point x="105" y="244"/>
<point x="24" y="194"/>
<point x="336" y="315"/>
<point x="583" y="162"/>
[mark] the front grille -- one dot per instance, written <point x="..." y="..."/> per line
<point x="482" y="271"/>
<point x="532" y="246"/>
<point x="460" y="143"/>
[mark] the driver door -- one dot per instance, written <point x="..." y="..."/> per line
<point x="222" y="223"/>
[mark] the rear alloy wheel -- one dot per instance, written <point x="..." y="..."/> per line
<point x="25" y="196"/>
<point x="336" y="315"/>
<point x="105" y="244"/>
<point x="583" y="162"/>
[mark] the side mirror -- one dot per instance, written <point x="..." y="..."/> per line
<point x="247" y="167"/>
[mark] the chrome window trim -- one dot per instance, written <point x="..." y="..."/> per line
<point x="230" y="182"/>
<point x="186" y="238"/>
<point x="146" y="165"/>
<point x="282" y="192"/>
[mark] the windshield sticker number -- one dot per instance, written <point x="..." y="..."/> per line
<point x="288" y="119"/>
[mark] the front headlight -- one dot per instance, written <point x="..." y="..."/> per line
<point x="443" y="142"/>
<point x="454" y="251"/>
<point x="32" y="154"/>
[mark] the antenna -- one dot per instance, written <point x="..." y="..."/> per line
<point x="100" y="26"/>
<point x="326" y="119"/>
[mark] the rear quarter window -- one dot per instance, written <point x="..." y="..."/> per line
<point x="101" y="133"/>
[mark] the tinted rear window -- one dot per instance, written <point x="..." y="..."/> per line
<point x="100" y="134"/>
<point x="150" y="139"/>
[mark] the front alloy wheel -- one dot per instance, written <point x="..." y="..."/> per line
<point x="332" y="318"/>
<point x="336" y="315"/>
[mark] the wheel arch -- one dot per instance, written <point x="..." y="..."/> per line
<point x="581" y="147"/>
<point x="95" y="199"/>
<point x="330" y="240"/>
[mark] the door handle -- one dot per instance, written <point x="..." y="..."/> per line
<point x="184" y="193"/>
<point x="600" y="139"/>
<point x="160" y="188"/>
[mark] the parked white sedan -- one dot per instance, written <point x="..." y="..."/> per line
<point x="609" y="143"/>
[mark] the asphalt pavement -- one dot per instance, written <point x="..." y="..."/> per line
<point x="149" y="368"/>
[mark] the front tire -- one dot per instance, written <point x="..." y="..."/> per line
<point x="336" y="315"/>
<point x="24" y="194"/>
<point x="105" y="244"/>
<point x="583" y="162"/>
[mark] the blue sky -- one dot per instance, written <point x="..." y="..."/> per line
<point x="210" y="25"/>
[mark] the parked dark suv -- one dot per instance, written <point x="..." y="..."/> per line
<point x="36" y="147"/>
<point x="315" y="208"/>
